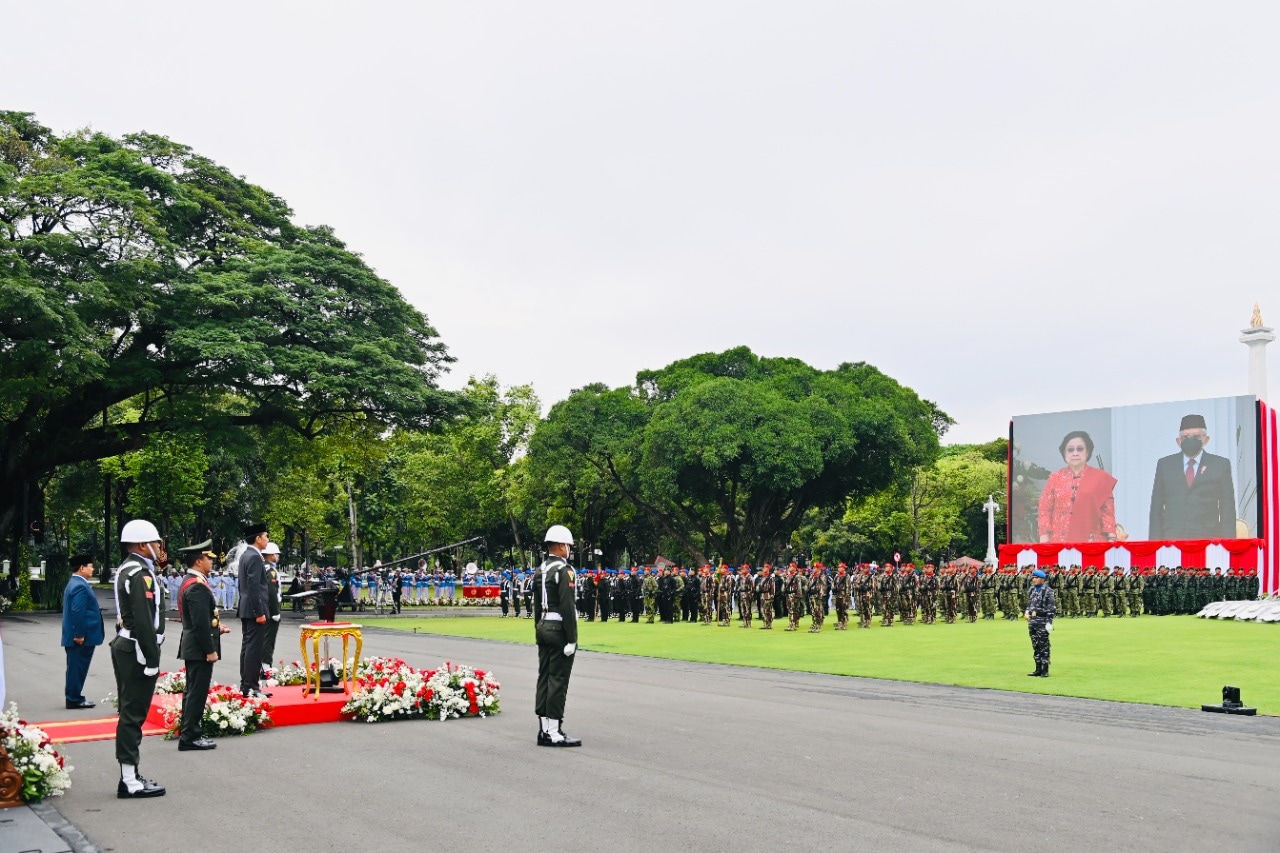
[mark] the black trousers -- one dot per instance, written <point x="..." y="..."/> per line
<point x="269" y="640"/>
<point x="554" y="667"/>
<point x="251" y="654"/>
<point x="199" y="677"/>
<point x="78" y="660"/>
<point x="506" y="605"/>
<point x="134" y="691"/>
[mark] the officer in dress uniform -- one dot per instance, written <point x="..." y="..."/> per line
<point x="200" y="645"/>
<point x="556" y="629"/>
<point x="135" y="652"/>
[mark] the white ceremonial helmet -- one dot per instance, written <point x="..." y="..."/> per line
<point x="272" y="548"/>
<point x="558" y="534"/>
<point x="138" y="531"/>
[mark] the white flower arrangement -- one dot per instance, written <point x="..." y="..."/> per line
<point x="44" y="772"/>
<point x="171" y="682"/>
<point x="388" y="689"/>
<point x="227" y="711"/>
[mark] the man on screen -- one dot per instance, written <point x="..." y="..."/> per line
<point x="1193" y="496"/>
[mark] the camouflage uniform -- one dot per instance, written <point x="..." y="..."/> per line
<point x="949" y="587"/>
<point x="990" y="588"/>
<point x="817" y="598"/>
<point x="796" y="589"/>
<point x="1137" y="586"/>
<point x="649" y="591"/>
<point x="908" y="585"/>
<point x="1041" y="608"/>
<point x="971" y="586"/>
<point x="840" y="589"/>
<point x="724" y="597"/>
<point x="864" y="586"/>
<point x="887" y="587"/>
<point x="765" y="592"/>
<point x="744" y="589"/>
<point x="708" y="590"/>
<point x="928" y="597"/>
<point x="677" y="596"/>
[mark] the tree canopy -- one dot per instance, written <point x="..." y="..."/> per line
<point x="135" y="269"/>
<point x="726" y="452"/>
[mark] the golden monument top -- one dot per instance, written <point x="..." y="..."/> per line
<point x="1256" y="322"/>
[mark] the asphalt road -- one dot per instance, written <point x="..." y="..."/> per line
<point x="682" y="756"/>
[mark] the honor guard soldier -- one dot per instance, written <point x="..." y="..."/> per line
<point x="135" y="652"/>
<point x="556" y="629"/>
<point x="200" y="645"/>
<point x="271" y="561"/>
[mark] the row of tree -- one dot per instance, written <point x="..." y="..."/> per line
<point x="173" y="346"/>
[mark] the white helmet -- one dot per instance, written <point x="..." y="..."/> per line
<point x="272" y="548"/>
<point x="138" y="531"/>
<point x="558" y="534"/>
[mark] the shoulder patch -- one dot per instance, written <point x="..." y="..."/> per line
<point x="571" y="575"/>
<point x="147" y="580"/>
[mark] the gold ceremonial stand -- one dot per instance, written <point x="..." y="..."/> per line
<point x="315" y="631"/>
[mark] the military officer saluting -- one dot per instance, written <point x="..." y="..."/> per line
<point x="200" y="645"/>
<point x="556" y="628"/>
<point x="135" y="652"/>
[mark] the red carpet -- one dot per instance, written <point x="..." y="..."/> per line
<point x="288" y="708"/>
<point x="102" y="728"/>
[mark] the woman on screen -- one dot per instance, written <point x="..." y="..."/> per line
<point x="1077" y="503"/>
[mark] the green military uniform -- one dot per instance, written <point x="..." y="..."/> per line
<point x="556" y="626"/>
<point x="273" y="614"/>
<point x="201" y="637"/>
<point x="135" y="652"/>
<point x="649" y="590"/>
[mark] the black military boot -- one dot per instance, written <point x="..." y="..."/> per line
<point x="1039" y="671"/>
<point x="1044" y="671"/>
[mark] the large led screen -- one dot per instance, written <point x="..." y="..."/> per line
<point x="1185" y="470"/>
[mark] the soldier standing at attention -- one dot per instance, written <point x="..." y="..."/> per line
<point x="887" y="588"/>
<point x="200" y="644"/>
<point x="556" y="629"/>
<point x="724" y="596"/>
<point x="817" y="599"/>
<point x="649" y="589"/>
<point x="795" y="589"/>
<point x="707" y="587"/>
<point x="767" y="590"/>
<point x="840" y="591"/>
<point x="745" y="590"/>
<point x="864" y="586"/>
<point x="135" y="652"/>
<point x="271" y="558"/>
<point x="1041" y="608"/>
<point x="928" y="596"/>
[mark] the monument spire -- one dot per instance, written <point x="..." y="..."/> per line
<point x="1256" y="338"/>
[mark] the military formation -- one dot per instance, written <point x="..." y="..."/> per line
<point x="756" y="597"/>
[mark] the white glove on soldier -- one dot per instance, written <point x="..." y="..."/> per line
<point x="570" y="649"/>
<point x="151" y="670"/>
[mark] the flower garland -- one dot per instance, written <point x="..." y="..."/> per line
<point x="171" y="682"/>
<point x="389" y="689"/>
<point x="44" y="772"/>
<point x="227" y="711"/>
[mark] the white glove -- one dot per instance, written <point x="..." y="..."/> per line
<point x="151" y="670"/>
<point x="159" y="639"/>
<point x="1048" y="627"/>
<point x="275" y="618"/>
<point x="570" y="649"/>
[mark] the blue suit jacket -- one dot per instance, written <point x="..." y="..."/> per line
<point x="81" y="616"/>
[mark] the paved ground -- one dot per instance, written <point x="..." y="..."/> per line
<point x="683" y="756"/>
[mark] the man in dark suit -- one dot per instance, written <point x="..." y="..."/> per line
<point x="82" y="629"/>
<point x="200" y="644"/>
<point x="253" y="609"/>
<point x="1194" y="496"/>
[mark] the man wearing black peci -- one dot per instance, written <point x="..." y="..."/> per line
<point x="253" y="608"/>
<point x="1194" y="496"/>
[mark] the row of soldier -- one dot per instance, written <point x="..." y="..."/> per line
<point x="906" y="593"/>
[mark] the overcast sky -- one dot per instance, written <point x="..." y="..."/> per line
<point x="1011" y="207"/>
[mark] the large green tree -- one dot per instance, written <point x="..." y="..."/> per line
<point x="727" y="452"/>
<point x="135" y="269"/>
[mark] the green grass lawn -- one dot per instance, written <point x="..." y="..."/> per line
<point x="1167" y="660"/>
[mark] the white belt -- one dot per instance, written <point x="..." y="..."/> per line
<point x="128" y="635"/>
<point x="552" y="617"/>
